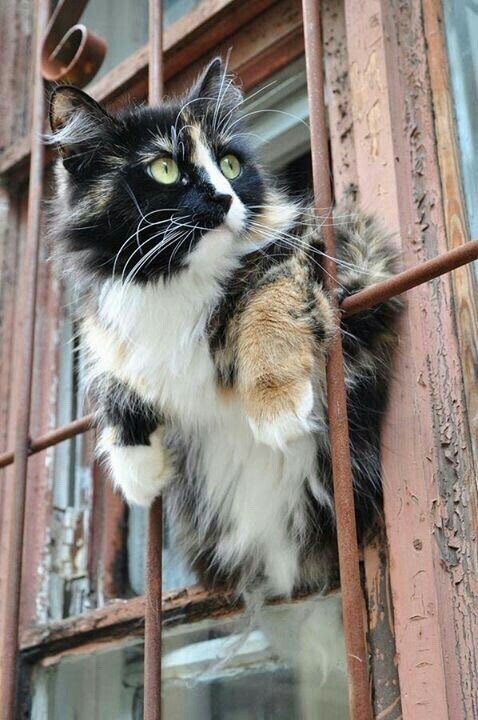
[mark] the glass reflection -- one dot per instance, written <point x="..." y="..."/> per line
<point x="290" y="666"/>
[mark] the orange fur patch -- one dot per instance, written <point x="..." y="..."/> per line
<point x="275" y="350"/>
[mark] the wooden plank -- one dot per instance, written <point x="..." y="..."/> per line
<point x="428" y="469"/>
<point x="12" y="270"/>
<point x="16" y="61"/>
<point x="380" y="635"/>
<point x="9" y="232"/>
<point x="337" y="77"/>
<point x="10" y="249"/>
<point x="464" y="279"/>
<point x="121" y="618"/>
<point x="263" y="46"/>
<point x="7" y="55"/>
<point x="387" y="703"/>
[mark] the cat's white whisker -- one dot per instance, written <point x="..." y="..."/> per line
<point x="304" y="244"/>
<point x="153" y="224"/>
<point x="290" y="241"/>
<point x="148" y="240"/>
<point x="156" y="250"/>
<point x="177" y="247"/>
<point x="224" y="122"/>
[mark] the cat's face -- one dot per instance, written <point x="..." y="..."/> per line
<point x="143" y="189"/>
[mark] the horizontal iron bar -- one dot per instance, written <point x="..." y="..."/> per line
<point x="408" y="279"/>
<point x="380" y="292"/>
<point x="65" y="432"/>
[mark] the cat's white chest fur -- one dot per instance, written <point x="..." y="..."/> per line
<point x="159" y="330"/>
<point x="157" y="342"/>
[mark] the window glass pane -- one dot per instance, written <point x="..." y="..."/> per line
<point x="68" y="582"/>
<point x="124" y="25"/>
<point x="291" y="668"/>
<point x="461" y="24"/>
<point x="279" y="112"/>
<point x="175" y="571"/>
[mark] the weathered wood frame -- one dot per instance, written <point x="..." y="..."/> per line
<point x="391" y="152"/>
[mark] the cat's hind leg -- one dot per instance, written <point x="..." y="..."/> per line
<point x="366" y="255"/>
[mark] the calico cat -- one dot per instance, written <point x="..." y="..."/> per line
<point x="208" y="326"/>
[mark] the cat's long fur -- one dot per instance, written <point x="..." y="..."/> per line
<point x="208" y="334"/>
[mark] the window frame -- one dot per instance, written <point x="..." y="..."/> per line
<point x="254" y="67"/>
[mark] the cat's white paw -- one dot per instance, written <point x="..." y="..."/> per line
<point x="141" y="472"/>
<point x="285" y="427"/>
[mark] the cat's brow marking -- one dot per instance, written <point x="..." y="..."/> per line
<point x="201" y="156"/>
<point x="161" y="144"/>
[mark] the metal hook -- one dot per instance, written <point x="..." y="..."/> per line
<point x="71" y="53"/>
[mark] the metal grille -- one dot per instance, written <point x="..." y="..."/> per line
<point x="356" y="651"/>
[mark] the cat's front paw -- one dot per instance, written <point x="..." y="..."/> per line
<point x="141" y="472"/>
<point x="283" y="422"/>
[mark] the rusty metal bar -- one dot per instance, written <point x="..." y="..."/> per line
<point x="352" y="597"/>
<point x="16" y="511"/>
<point x="153" y="614"/>
<point x="65" y="432"/>
<point x="153" y="605"/>
<point x="408" y="279"/>
<point x="71" y="53"/>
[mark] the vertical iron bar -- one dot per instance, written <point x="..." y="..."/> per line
<point x="352" y="597"/>
<point x="11" y="617"/>
<point x="152" y="633"/>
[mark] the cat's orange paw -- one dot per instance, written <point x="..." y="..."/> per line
<point x="278" y="429"/>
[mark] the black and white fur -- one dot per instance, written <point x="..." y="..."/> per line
<point x="172" y="276"/>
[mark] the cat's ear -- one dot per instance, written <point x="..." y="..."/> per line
<point x="78" y="123"/>
<point x="216" y="85"/>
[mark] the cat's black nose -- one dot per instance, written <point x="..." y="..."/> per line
<point x="223" y="200"/>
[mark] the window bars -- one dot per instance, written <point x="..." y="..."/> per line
<point x="23" y="401"/>
<point x="353" y="611"/>
<point x="152" y="638"/>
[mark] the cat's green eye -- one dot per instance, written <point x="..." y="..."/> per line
<point x="230" y="166"/>
<point x="164" y="170"/>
